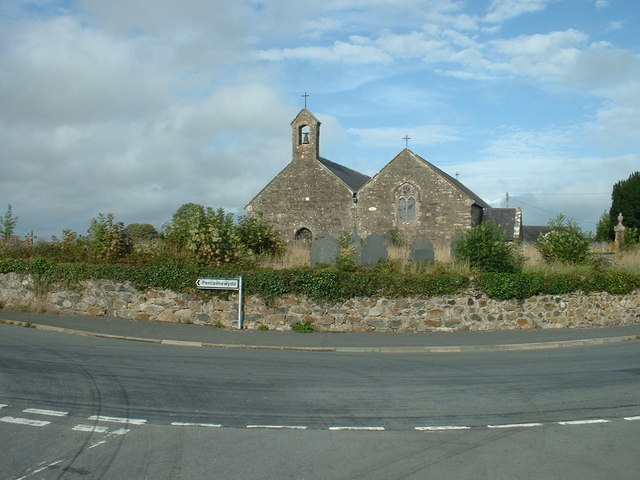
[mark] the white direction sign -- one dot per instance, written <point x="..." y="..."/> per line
<point x="218" y="283"/>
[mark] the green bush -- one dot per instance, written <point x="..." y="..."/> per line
<point x="109" y="242"/>
<point x="212" y="238"/>
<point x="565" y="242"/>
<point x="259" y="236"/>
<point x="487" y="250"/>
<point x="504" y="286"/>
<point x="525" y="285"/>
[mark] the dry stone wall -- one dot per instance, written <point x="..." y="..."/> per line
<point x="468" y="311"/>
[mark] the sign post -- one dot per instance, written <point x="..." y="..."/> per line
<point x="226" y="284"/>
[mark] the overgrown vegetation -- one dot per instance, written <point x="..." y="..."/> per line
<point x="565" y="242"/>
<point x="486" y="249"/>
<point x="205" y="242"/>
<point x="302" y="327"/>
<point x="7" y="224"/>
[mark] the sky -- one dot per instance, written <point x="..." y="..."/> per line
<point x="136" y="108"/>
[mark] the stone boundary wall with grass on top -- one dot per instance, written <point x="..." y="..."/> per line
<point x="468" y="311"/>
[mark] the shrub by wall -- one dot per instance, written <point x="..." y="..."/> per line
<point x="327" y="284"/>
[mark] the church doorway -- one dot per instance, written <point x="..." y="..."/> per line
<point x="304" y="234"/>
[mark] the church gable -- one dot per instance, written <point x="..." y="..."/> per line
<point x="305" y="196"/>
<point x="418" y="199"/>
<point x="312" y="194"/>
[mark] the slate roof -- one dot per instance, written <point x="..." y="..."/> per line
<point x="351" y="177"/>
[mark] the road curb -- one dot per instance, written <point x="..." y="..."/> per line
<point x="404" y="350"/>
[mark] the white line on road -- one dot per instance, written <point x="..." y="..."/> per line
<point x="283" y="427"/>
<point x="632" y="419"/>
<point x="130" y="421"/>
<point x="516" y="425"/>
<point x="2" y="405"/>
<point x="41" y="469"/>
<point x="24" y="421"/>
<point x="442" y="428"/>
<point x="120" y="431"/>
<point x="52" y="413"/>
<point x="374" y="429"/>
<point x="189" y="424"/>
<point x="90" y="428"/>
<point x="584" y="422"/>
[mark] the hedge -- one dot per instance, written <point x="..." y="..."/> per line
<point x="504" y="286"/>
<point x="326" y="284"/>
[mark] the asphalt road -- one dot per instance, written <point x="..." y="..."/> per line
<point x="77" y="407"/>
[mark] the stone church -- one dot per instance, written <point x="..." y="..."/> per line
<point x="313" y="195"/>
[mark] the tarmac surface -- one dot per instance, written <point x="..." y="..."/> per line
<point x="191" y="335"/>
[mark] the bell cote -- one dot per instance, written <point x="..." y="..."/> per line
<point x="305" y="136"/>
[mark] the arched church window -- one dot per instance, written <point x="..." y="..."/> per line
<point x="402" y="210"/>
<point x="304" y="234"/>
<point x="407" y="198"/>
<point x="303" y="134"/>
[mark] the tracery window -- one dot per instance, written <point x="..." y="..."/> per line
<point x="406" y="197"/>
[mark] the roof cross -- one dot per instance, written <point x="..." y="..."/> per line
<point x="305" y="99"/>
<point x="406" y="140"/>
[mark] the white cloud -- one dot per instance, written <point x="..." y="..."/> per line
<point x="546" y="185"/>
<point x="58" y="71"/>
<point x="465" y="75"/>
<point x="502" y="10"/>
<point x="602" y="66"/>
<point x="548" y="56"/>
<point x="355" y="52"/>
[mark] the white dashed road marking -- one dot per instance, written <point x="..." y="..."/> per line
<point x="516" y="425"/>
<point x="25" y="421"/>
<point x="584" y="422"/>
<point x="95" y="444"/>
<point x="41" y="469"/>
<point x="372" y="429"/>
<point x="90" y="428"/>
<point x="51" y="413"/>
<point x="190" y="424"/>
<point x="129" y="421"/>
<point x="632" y="419"/>
<point x="281" y="427"/>
<point x="442" y="428"/>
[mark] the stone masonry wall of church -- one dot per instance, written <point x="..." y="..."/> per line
<point x="442" y="210"/>
<point x="329" y="207"/>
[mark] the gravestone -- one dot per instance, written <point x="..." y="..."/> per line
<point x="422" y="250"/>
<point x="374" y="250"/>
<point x="324" y="249"/>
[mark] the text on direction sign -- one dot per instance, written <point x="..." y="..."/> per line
<point x="218" y="283"/>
